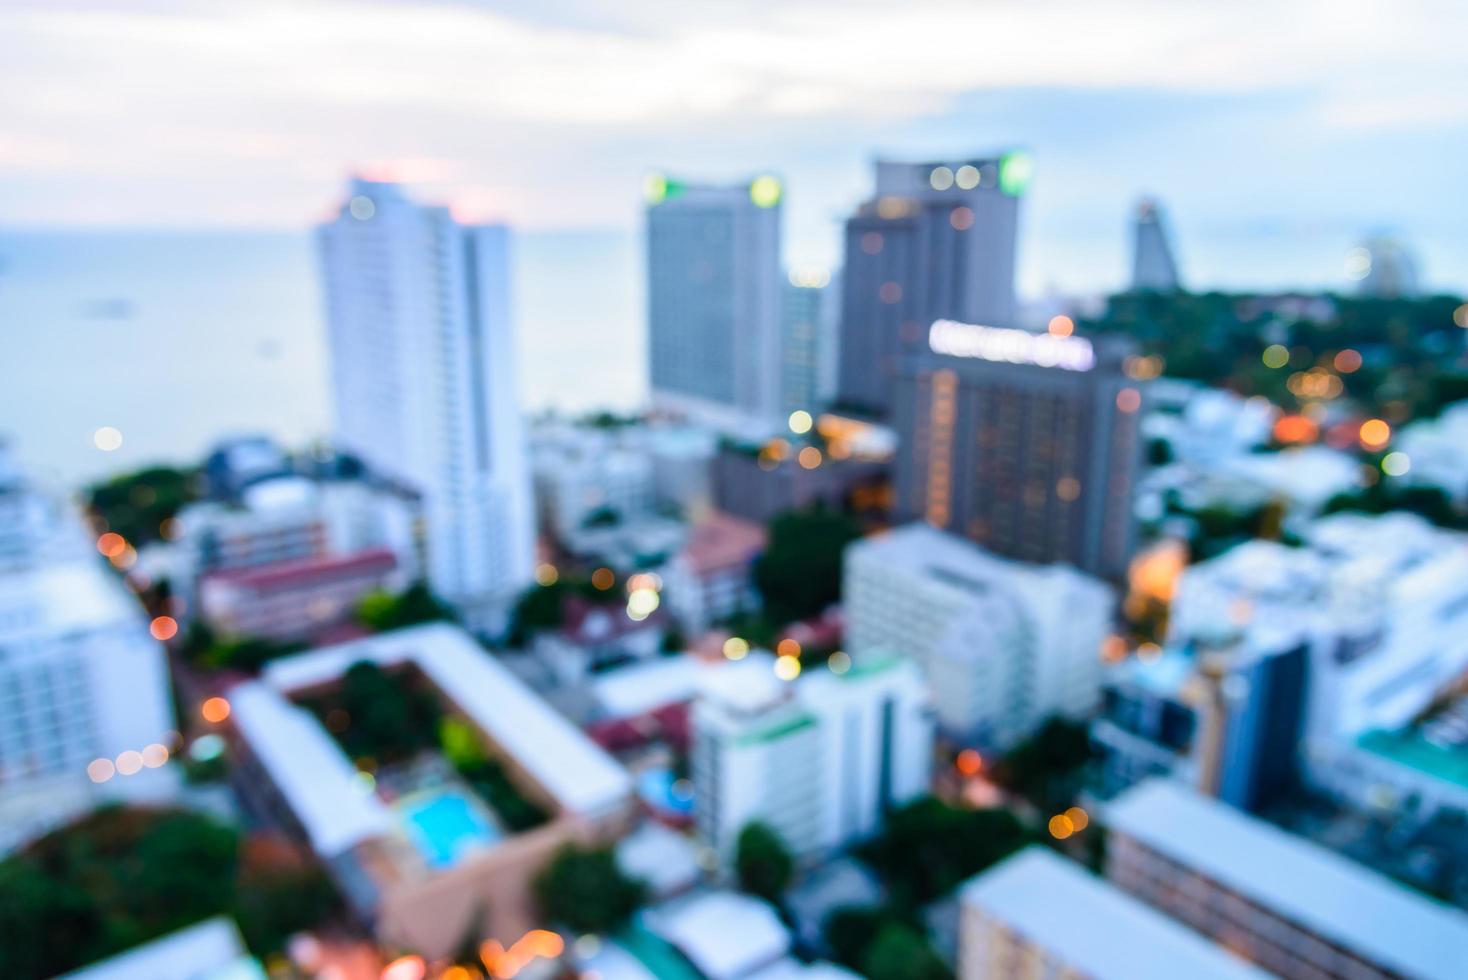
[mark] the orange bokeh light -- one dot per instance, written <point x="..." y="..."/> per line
<point x="1061" y="326"/>
<point x="214" y="710"/>
<point x="111" y="544"/>
<point x="603" y="578"/>
<point x="969" y="762"/>
<point x="1348" y="361"/>
<point x="1295" y="428"/>
<point x="788" y="647"/>
<point x="163" y="628"/>
<point x="1374" y="433"/>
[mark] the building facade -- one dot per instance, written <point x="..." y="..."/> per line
<point x="714" y="290"/>
<point x="937" y="240"/>
<point x="1002" y="645"/>
<point x="1290" y="906"/>
<point x="423" y="379"/>
<point x="1027" y="444"/>
<point x="1039" y="915"/>
<point x="1154" y="267"/>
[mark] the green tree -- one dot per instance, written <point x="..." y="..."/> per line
<point x="382" y="611"/>
<point x="388" y="719"/>
<point x="136" y="504"/>
<point x="799" y="574"/>
<point x="929" y="847"/>
<point x="763" y="862"/>
<point x="586" y="891"/>
<point x="850" y="929"/>
<point x="900" y="952"/>
<point x="1048" y="767"/>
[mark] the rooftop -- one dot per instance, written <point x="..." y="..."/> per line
<point x="724" y="934"/>
<point x="285" y="574"/>
<point x="210" y="950"/>
<point x="1096" y="929"/>
<point x="722" y="540"/>
<point x="573" y="769"/>
<point x="1323" y="892"/>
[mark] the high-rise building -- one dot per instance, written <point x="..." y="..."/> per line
<point x="714" y="290"/>
<point x="1384" y="267"/>
<point x="1037" y="914"/>
<point x="1154" y="267"/>
<point x="1002" y="645"/>
<point x="423" y="380"/>
<point x="85" y="709"/>
<point x="806" y="342"/>
<point x="1025" y="443"/>
<point x="937" y="240"/>
<point x="1294" y="908"/>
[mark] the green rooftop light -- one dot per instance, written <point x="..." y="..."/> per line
<point x="1015" y="173"/>
<point x="765" y="191"/>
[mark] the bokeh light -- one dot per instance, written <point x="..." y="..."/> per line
<point x="736" y="648"/>
<point x="111" y="544"/>
<point x="787" y="668"/>
<point x="1396" y="464"/>
<point x="108" y="438"/>
<point x="800" y="421"/>
<point x="603" y="578"/>
<point x="1275" y="356"/>
<point x="163" y="628"/>
<point x="214" y="710"/>
<point x="546" y="574"/>
<point x="1061" y="325"/>
<point x="1061" y="826"/>
<point x="1374" y="433"/>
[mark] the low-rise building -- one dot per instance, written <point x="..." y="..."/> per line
<point x="209" y="950"/>
<point x="1294" y="908"/>
<point x="1038" y="914"/>
<point x="712" y="578"/>
<point x="427" y="861"/>
<point x="295" y="600"/>
<point x="820" y="759"/>
<point x="1002" y="644"/>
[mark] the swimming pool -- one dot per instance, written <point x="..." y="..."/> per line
<point x="664" y="792"/>
<point x="446" y="825"/>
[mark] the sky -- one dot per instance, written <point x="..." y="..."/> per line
<point x="1276" y="132"/>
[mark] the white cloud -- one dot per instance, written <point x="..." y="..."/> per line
<point x="285" y="94"/>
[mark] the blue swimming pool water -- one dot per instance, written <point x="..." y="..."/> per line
<point x="660" y="789"/>
<point x="446" y="826"/>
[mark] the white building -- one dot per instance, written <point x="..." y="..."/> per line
<point x="1381" y="600"/>
<point x="820" y="760"/>
<point x="877" y="730"/>
<point x="1002" y="644"/>
<point x="1437" y="450"/>
<point x="209" y="950"/>
<point x="1038" y="914"/>
<point x="1293" y="907"/>
<point x="714" y="297"/>
<point x="586" y="475"/>
<point x="757" y="755"/>
<point x="423" y="380"/>
<point x="85" y="713"/>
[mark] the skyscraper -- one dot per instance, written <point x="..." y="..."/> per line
<point x="423" y="380"/>
<point x="937" y="240"/>
<point x="713" y="300"/>
<point x="1154" y="268"/>
<point x="804" y="345"/>
<point x="1025" y="443"/>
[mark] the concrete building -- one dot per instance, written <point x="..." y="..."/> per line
<point x="936" y="240"/>
<point x="295" y="600"/>
<point x="1002" y="645"/>
<point x="586" y="476"/>
<point x="1154" y="267"/>
<point x="423" y="382"/>
<point x="877" y="726"/>
<point x="757" y="755"/>
<point x="806" y="342"/>
<point x="417" y="853"/>
<point x="713" y="300"/>
<point x="712" y="578"/>
<point x="820" y="759"/>
<point x="209" y="950"/>
<point x="1295" y="909"/>
<point x="1025" y="443"/>
<point x="85" y="703"/>
<point x="1037" y="914"/>
<point x="757" y="480"/>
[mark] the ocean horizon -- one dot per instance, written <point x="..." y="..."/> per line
<point x="178" y="338"/>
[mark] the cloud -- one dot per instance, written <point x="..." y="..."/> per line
<point x="194" y="103"/>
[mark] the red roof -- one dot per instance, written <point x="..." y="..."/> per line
<point x="722" y="541"/>
<point x="283" y="574"/>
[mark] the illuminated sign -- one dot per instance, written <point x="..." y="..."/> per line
<point x="1009" y="346"/>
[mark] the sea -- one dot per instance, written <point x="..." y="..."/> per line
<point x="179" y="338"/>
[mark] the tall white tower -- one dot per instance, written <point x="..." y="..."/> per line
<point x="423" y="381"/>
